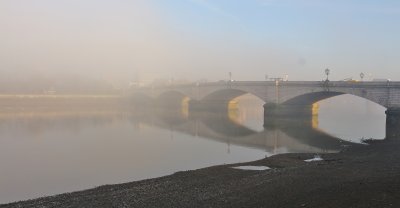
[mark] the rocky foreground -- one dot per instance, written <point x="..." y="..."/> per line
<point x="362" y="176"/>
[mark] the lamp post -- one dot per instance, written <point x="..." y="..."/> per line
<point x="327" y="71"/>
<point x="362" y="76"/>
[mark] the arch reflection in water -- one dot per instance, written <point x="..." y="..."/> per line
<point x="278" y="136"/>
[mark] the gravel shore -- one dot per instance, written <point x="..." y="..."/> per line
<point x="360" y="176"/>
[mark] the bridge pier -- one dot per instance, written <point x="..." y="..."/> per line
<point x="273" y="110"/>
<point x="393" y="123"/>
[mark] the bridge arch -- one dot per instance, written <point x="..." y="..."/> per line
<point x="314" y="97"/>
<point x="174" y="101"/>
<point x="349" y="110"/>
<point x="226" y="95"/>
<point x="221" y="99"/>
<point x="171" y="95"/>
<point x="311" y="98"/>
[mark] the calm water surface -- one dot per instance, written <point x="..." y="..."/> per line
<point x="51" y="152"/>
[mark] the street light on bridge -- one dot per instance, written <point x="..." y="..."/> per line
<point x="327" y="71"/>
<point x="362" y="76"/>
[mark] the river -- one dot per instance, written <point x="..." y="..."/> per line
<point x="49" y="152"/>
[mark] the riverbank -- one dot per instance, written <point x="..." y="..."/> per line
<point x="360" y="176"/>
<point x="48" y="103"/>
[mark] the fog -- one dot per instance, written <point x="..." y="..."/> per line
<point x="53" y="43"/>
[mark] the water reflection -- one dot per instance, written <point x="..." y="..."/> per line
<point x="278" y="136"/>
<point x="36" y="123"/>
<point x="50" y="152"/>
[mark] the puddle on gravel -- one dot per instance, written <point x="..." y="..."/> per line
<point x="252" y="167"/>
<point x="316" y="158"/>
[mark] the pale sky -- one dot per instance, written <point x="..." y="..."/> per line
<point x="119" y="40"/>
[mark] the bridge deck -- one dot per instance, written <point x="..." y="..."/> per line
<point x="351" y="84"/>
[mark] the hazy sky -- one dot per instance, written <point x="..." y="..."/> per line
<point x="119" y="40"/>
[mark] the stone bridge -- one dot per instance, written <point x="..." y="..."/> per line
<point x="282" y="98"/>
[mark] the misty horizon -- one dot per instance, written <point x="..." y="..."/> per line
<point x="125" y="41"/>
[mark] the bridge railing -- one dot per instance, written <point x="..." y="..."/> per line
<point x="351" y="84"/>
